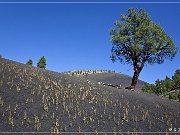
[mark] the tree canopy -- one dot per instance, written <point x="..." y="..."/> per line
<point x="137" y="40"/>
<point x="42" y="62"/>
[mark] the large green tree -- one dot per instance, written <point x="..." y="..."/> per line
<point x="42" y="62"/>
<point x="137" y="40"/>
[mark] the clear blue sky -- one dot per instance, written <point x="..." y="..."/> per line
<point x="76" y="36"/>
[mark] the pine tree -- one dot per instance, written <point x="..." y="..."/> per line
<point x="42" y="62"/>
<point x="176" y="79"/>
<point x="138" y="41"/>
<point x="29" y="62"/>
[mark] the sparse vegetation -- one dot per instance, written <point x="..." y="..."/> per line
<point x="87" y="72"/>
<point x="34" y="100"/>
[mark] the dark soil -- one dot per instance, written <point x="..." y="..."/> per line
<point x="38" y="100"/>
<point x="114" y="79"/>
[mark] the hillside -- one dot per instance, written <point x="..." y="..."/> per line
<point x="38" y="100"/>
<point x="107" y="77"/>
<point x="115" y="79"/>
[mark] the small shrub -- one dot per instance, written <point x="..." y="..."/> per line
<point x="179" y="96"/>
<point x="29" y="62"/>
<point x="149" y="88"/>
<point x="42" y="62"/>
<point x="173" y="96"/>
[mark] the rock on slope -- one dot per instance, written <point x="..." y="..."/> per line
<point x="37" y="100"/>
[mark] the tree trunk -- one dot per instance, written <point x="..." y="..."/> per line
<point x="135" y="78"/>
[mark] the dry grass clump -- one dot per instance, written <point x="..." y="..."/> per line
<point x="35" y="100"/>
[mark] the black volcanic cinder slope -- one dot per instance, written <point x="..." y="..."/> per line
<point x="37" y="100"/>
<point x="114" y="78"/>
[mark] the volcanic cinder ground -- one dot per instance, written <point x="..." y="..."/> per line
<point x="38" y="100"/>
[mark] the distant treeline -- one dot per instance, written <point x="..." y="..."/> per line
<point x="169" y="87"/>
<point x="86" y="72"/>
